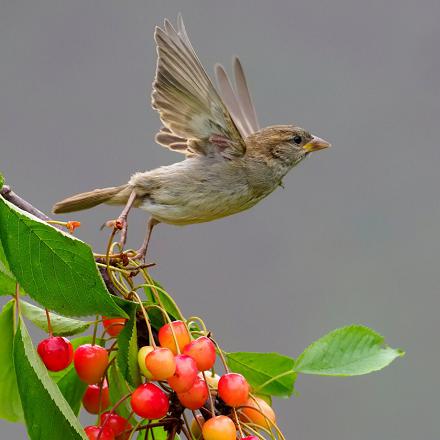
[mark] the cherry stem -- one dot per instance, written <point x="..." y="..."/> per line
<point x="197" y="420"/>
<point x="95" y="330"/>
<point x="49" y="325"/>
<point x="222" y="357"/>
<point x="234" y="411"/>
<point x="195" y="320"/>
<point x="211" y="400"/>
<point x="191" y="437"/>
<point x="147" y="321"/>
<point x="164" y="312"/>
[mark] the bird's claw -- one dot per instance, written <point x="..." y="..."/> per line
<point x="122" y="225"/>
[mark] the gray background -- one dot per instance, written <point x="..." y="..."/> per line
<point x="354" y="237"/>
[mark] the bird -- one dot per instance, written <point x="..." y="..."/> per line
<point x="230" y="162"/>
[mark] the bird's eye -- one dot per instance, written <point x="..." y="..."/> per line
<point x="297" y="139"/>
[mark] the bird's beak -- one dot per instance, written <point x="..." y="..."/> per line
<point x="316" y="144"/>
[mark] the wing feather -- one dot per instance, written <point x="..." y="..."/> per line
<point x="239" y="102"/>
<point x="188" y="104"/>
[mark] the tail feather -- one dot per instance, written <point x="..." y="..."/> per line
<point x="90" y="199"/>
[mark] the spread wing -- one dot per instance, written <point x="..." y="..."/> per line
<point x="239" y="103"/>
<point x="195" y="119"/>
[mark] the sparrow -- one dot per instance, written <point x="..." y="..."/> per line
<point x="230" y="163"/>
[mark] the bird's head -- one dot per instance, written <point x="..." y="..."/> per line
<point x="283" y="146"/>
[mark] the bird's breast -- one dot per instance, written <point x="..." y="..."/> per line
<point x="200" y="192"/>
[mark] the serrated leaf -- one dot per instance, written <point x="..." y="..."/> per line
<point x="118" y="388"/>
<point x="57" y="270"/>
<point x="267" y="373"/>
<point x="10" y="407"/>
<point x="7" y="279"/>
<point x="47" y="413"/>
<point x="7" y="284"/>
<point x="126" y="357"/>
<point x="61" y="325"/>
<point x="348" y="351"/>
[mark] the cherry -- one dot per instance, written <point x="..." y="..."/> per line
<point x="258" y="416"/>
<point x="166" y="338"/>
<point x="149" y="401"/>
<point x="142" y="354"/>
<point x="119" y="425"/>
<point x="219" y="428"/>
<point x="185" y="375"/>
<point x="99" y="432"/>
<point x="96" y="400"/>
<point x="250" y="437"/>
<point x="196" y="425"/>
<point x="202" y="350"/>
<point x="233" y="389"/>
<point x="196" y="396"/>
<point x="161" y="363"/>
<point x="90" y="362"/>
<point x="56" y="353"/>
<point x="212" y="380"/>
<point x="113" y="326"/>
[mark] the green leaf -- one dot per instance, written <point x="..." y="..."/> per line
<point x="7" y="284"/>
<point x="348" y="351"/>
<point x="61" y="325"/>
<point x="127" y="352"/>
<point x="2" y="180"/>
<point x="157" y="433"/>
<point x="46" y="412"/>
<point x="72" y="388"/>
<point x="267" y="373"/>
<point x="56" y="269"/>
<point x="10" y="404"/>
<point x="118" y="388"/>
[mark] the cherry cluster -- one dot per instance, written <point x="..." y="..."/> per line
<point x="179" y="375"/>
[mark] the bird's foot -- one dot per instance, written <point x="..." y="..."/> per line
<point x="140" y="254"/>
<point x="122" y="225"/>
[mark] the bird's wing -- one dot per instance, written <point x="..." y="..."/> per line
<point x="196" y="120"/>
<point x="239" y="103"/>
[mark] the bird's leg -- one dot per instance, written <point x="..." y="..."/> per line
<point x="121" y="222"/>
<point x="142" y="251"/>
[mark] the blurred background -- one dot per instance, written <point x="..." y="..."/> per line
<point x="353" y="237"/>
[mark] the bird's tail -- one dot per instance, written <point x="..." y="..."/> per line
<point x="113" y="195"/>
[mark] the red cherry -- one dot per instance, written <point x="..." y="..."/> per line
<point x="96" y="400"/>
<point x="113" y="326"/>
<point x="166" y="338"/>
<point x="202" y="350"/>
<point x="149" y="401"/>
<point x="219" y="428"/>
<point x="90" y="362"/>
<point x="250" y="437"/>
<point x="98" y="432"/>
<point x="56" y="353"/>
<point x="161" y="363"/>
<point x="186" y="374"/>
<point x="119" y="425"/>
<point x="233" y="389"/>
<point x="196" y="396"/>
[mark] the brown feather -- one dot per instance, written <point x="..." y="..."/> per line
<point x="90" y="199"/>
